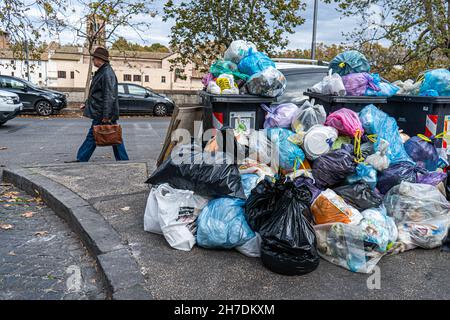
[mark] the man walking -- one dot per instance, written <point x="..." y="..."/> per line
<point x="102" y="105"/>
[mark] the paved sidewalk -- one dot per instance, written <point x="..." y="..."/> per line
<point x="118" y="192"/>
<point x="40" y="258"/>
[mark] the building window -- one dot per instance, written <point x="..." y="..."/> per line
<point x="127" y="77"/>
<point x="72" y="74"/>
<point x="12" y="73"/>
<point x="147" y="79"/>
<point x="137" y="77"/>
<point x="12" y="61"/>
<point x="61" y="74"/>
<point x="39" y="63"/>
<point x="163" y="79"/>
<point x="40" y="75"/>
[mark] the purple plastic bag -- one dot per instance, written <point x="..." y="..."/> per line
<point x="424" y="153"/>
<point x="308" y="183"/>
<point x="356" y="84"/>
<point x="207" y="78"/>
<point x="396" y="173"/>
<point x="346" y="122"/>
<point x="333" y="167"/>
<point x="431" y="178"/>
<point x="280" y="116"/>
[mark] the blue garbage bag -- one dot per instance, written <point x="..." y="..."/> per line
<point x="423" y="152"/>
<point x="429" y="93"/>
<point x="377" y="122"/>
<point x="291" y="155"/>
<point x="438" y="80"/>
<point x="351" y="61"/>
<point x="364" y="172"/>
<point x="255" y="62"/>
<point x="386" y="89"/>
<point x="222" y="224"/>
<point x="249" y="182"/>
<point x="395" y="174"/>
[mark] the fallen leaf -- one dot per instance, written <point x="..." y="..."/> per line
<point x="12" y="253"/>
<point x="3" y="148"/>
<point x="28" y="214"/>
<point x="125" y="209"/>
<point x="6" y="226"/>
<point x="41" y="233"/>
<point x="7" y="205"/>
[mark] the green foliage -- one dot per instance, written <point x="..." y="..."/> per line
<point x="122" y="44"/>
<point x="421" y="28"/>
<point x="203" y="29"/>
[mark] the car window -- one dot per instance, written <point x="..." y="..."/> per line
<point x="137" y="91"/>
<point x="11" y="83"/>
<point x="121" y="88"/>
<point x="297" y="83"/>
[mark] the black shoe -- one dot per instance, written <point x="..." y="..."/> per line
<point x="72" y="161"/>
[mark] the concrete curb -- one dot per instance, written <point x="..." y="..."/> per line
<point x="119" y="270"/>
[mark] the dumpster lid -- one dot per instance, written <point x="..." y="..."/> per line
<point x="420" y="99"/>
<point x="235" y="98"/>
<point x="346" y="99"/>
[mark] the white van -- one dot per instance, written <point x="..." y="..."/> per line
<point x="10" y="106"/>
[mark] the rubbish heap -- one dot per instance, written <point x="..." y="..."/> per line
<point x="244" y="70"/>
<point x="350" y="76"/>
<point x="346" y="187"/>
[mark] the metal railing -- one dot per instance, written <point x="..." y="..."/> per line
<point x="302" y="61"/>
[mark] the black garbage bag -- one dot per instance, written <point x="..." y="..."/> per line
<point x="367" y="148"/>
<point x="332" y="168"/>
<point x="360" y="196"/>
<point x="396" y="173"/>
<point x="207" y="174"/>
<point x="261" y="202"/>
<point x="288" y="239"/>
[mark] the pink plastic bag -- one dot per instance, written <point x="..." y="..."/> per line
<point x="356" y="84"/>
<point x="279" y="116"/>
<point x="346" y="122"/>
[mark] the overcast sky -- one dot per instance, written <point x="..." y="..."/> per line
<point x="330" y="27"/>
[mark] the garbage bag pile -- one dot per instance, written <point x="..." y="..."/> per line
<point x="344" y="187"/>
<point x="349" y="75"/>
<point x="244" y="69"/>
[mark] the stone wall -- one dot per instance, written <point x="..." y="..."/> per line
<point x="180" y="97"/>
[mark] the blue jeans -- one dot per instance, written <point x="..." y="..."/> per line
<point x="88" y="147"/>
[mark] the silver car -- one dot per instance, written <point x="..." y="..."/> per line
<point x="10" y="106"/>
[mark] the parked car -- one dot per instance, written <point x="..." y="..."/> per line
<point x="137" y="99"/>
<point x="10" y="106"/>
<point x="44" y="101"/>
<point x="299" y="78"/>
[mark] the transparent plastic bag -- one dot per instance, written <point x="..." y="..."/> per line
<point x="330" y="85"/>
<point x="279" y="116"/>
<point x="268" y="83"/>
<point x="344" y="245"/>
<point x="421" y="212"/>
<point x="238" y="50"/>
<point x="331" y="208"/>
<point x="252" y="248"/>
<point x="290" y="155"/>
<point x="220" y="67"/>
<point x="407" y="87"/>
<point x="222" y="224"/>
<point x="386" y="89"/>
<point x="307" y="116"/>
<point x="213" y="88"/>
<point x="350" y="61"/>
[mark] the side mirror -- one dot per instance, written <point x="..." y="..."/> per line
<point x="147" y="94"/>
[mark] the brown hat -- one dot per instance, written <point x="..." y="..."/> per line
<point x="101" y="53"/>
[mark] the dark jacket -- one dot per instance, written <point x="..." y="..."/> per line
<point x="103" y="100"/>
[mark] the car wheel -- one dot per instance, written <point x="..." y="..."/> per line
<point x="44" y="108"/>
<point x="160" y="110"/>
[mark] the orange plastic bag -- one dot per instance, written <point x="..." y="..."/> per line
<point x="331" y="208"/>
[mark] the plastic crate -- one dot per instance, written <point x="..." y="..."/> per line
<point x="226" y="110"/>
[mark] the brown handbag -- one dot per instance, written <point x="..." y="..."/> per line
<point x="108" y="135"/>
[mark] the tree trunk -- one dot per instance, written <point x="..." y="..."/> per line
<point x="89" y="75"/>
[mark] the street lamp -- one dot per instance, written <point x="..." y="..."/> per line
<point x="313" y="44"/>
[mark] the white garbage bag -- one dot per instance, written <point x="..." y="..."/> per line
<point x="173" y="213"/>
<point x="379" y="159"/>
<point x="213" y="88"/>
<point x="238" y="50"/>
<point x="331" y="84"/>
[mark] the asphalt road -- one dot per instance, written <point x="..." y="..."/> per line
<point x="33" y="141"/>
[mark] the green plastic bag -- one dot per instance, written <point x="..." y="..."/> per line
<point x="220" y="67"/>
